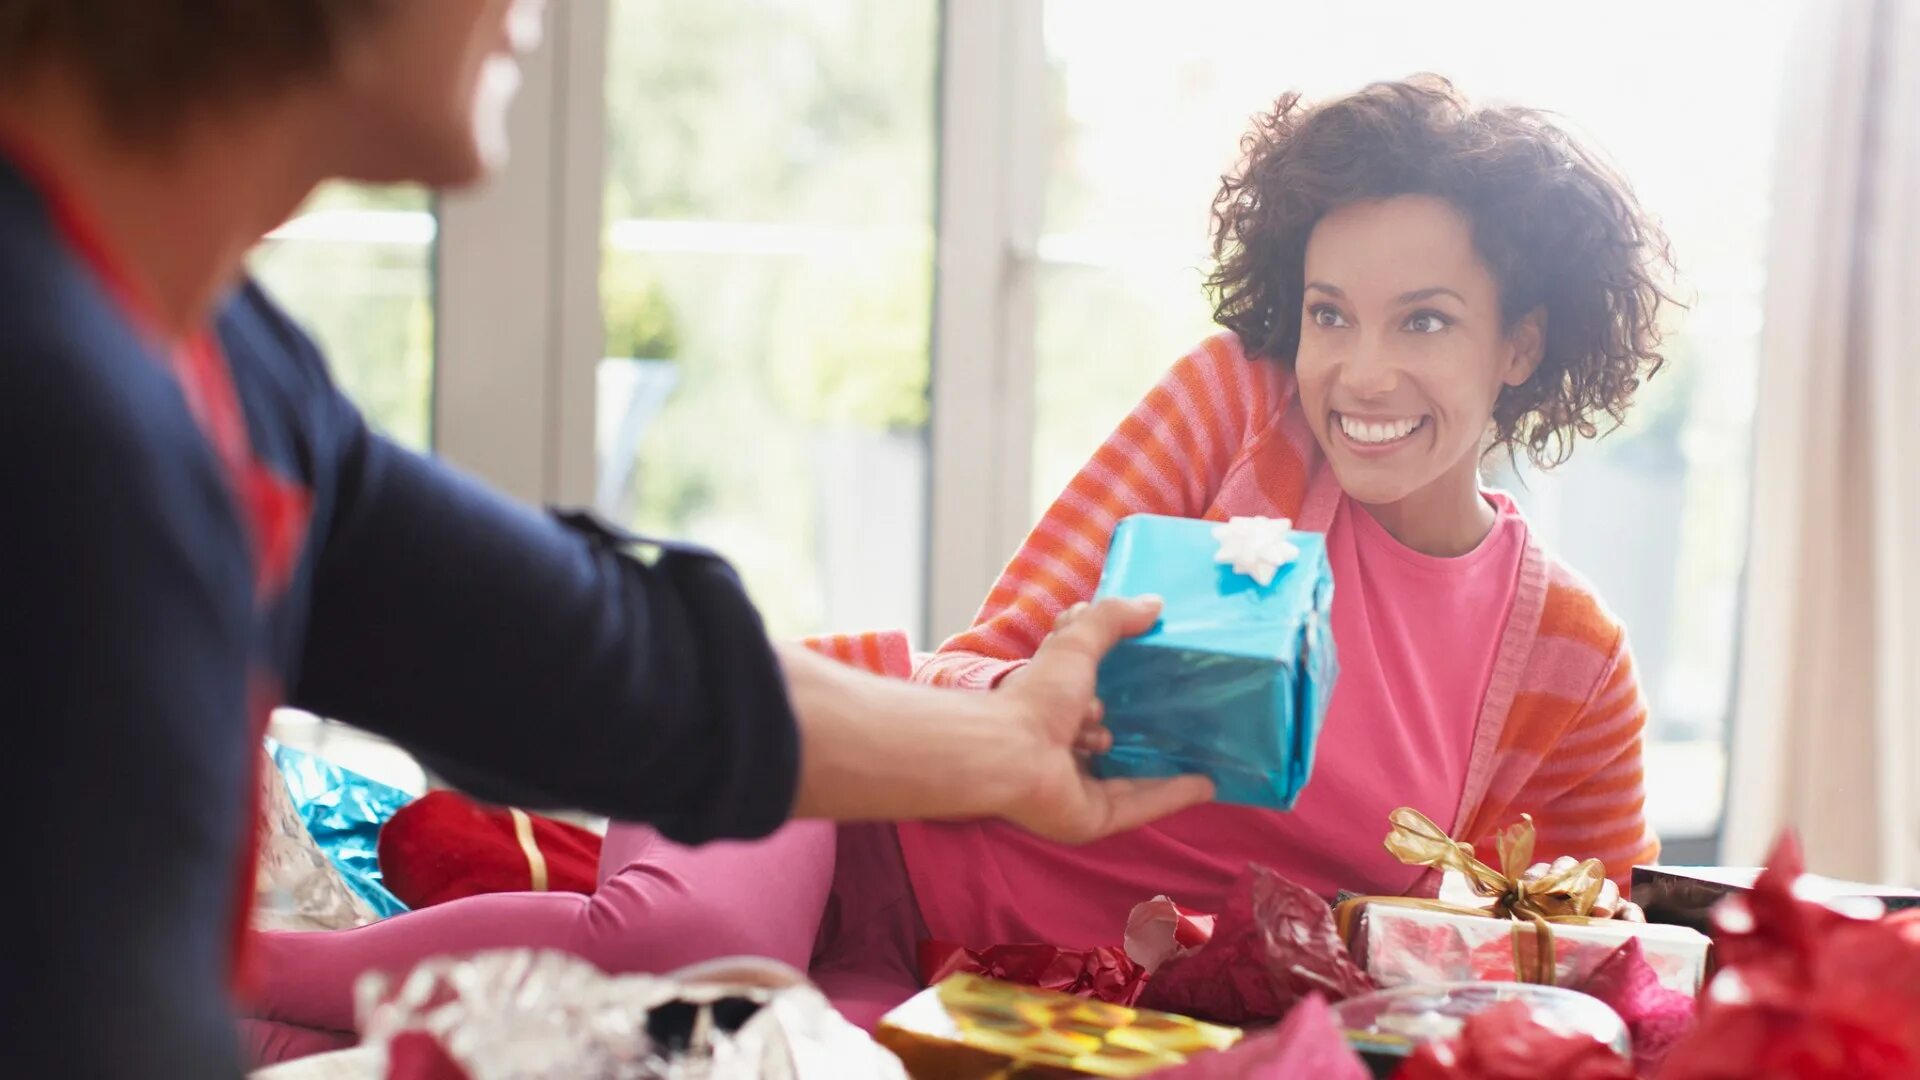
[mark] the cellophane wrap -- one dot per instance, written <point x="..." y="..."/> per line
<point x="542" y="1015"/>
<point x="296" y="886"/>
<point x="1399" y="1020"/>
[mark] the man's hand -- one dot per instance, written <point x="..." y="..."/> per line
<point x="1057" y="719"/>
<point x="885" y="749"/>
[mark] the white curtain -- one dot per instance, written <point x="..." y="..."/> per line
<point x="1826" y="736"/>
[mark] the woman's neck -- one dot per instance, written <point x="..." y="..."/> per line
<point x="1446" y="519"/>
<point x="177" y="213"/>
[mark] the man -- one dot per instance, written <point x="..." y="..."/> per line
<point x="203" y="527"/>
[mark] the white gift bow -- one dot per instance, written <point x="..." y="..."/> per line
<point x="1256" y="546"/>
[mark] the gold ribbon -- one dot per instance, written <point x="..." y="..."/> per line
<point x="1534" y="904"/>
<point x="536" y="862"/>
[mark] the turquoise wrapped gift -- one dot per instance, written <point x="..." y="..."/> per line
<point x="1234" y="680"/>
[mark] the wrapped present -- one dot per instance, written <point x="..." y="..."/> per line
<point x="1533" y="929"/>
<point x="1390" y="1026"/>
<point x="1804" y="992"/>
<point x="343" y="812"/>
<point x="1274" y="946"/>
<point x="521" y="1014"/>
<point x="1234" y="680"/>
<point x="444" y="846"/>
<point x="1685" y="895"/>
<point x="1399" y="945"/>
<point x="1104" y="974"/>
<point x="970" y="1028"/>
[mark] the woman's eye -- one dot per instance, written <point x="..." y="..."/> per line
<point x="1327" y="315"/>
<point x="1427" y="322"/>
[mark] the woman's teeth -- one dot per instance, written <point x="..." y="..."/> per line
<point x="1379" y="431"/>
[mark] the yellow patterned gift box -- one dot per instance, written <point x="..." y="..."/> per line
<point x="970" y="1028"/>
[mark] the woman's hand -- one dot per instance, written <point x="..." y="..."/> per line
<point x="1608" y="906"/>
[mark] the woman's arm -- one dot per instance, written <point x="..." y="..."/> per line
<point x="1169" y="456"/>
<point x="1596" y="778"/>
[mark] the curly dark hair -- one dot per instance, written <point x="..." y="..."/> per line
<point x="1557" y="227"/>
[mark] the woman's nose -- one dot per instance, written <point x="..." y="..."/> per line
<point x="1369" y="373"/>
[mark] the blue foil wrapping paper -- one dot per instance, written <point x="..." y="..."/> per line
<point x="1234" y="680"/>
<point x="343" y="811"/>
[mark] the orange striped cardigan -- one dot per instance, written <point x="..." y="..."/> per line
<point x="1559" y="733"/>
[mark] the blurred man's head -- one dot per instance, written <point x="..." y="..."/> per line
<point x="396" y="89"/>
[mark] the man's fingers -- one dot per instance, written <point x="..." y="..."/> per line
<point x="1098" y="627"/>
<point x="1093" y="740"/>
<point x="1133" y="803"/>
<point x="1066" y="617"/>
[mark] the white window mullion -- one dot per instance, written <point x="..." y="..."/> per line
<point x="579" y="30"/>
<point x="517" y="268"/>
<point x="993" y="107"/>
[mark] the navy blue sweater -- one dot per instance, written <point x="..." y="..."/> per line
<point x="531" y="660"/>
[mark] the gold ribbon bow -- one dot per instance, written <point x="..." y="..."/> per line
<point x="1534" y="904"/>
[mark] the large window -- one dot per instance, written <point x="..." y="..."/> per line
<point x="1682" y="96"/>
<point x="355" y="267"/>
<point x="764" y="173"/>
<point x="767" y="289"/>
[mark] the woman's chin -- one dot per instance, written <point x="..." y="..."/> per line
<point x="1372" y="483"/>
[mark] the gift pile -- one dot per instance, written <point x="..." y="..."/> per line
<point x="1522" y="977"/>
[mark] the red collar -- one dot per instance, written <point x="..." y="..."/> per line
<point x="272" y="512"/>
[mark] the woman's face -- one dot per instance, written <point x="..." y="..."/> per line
<point x="423" y="89"/>
<point x="1402" y="348"/>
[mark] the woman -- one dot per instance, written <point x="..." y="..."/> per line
<point x="1405" y="284"/>
<point x="203" y="527"/>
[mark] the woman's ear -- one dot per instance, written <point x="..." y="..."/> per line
<point x="1528" y="342"/>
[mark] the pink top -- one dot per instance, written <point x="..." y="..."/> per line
<point x="1417" y="639"/>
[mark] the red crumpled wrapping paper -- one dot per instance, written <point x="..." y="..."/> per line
<point x="1657" y="1017"/>
<point x="1104" y="974"/>
<point x="1159" y="930"/>
<point x="1307" y="1044"/>
<point x="1274" y="945"/>
<point x="416" y="1055"/>
<point x="1505" y="1043"/>
<point x="1804" y="992"/>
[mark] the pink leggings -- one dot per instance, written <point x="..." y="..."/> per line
<point x="836" y="902"/>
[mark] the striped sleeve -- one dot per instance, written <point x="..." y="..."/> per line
<point x="883" y="652"/>
<point x="1591" y="787"/>
<point x="1167" y="457"/>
